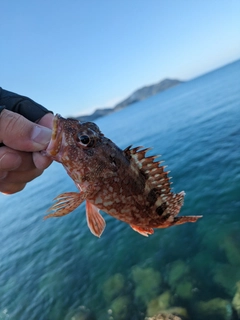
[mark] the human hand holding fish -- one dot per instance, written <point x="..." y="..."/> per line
<point x="25" y="130"/>
<point x="20" y="157"/>
<point x="126" y="184"/>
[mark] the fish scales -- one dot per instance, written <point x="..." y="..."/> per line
<point x="125" y="184"/>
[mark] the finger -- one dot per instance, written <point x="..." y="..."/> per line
<point x="20" y="177"/>
<point x="16" y="169"/>
<point x="40" y="161"/>
<point x="11" y="160"/>
<point x="47" y="120"/>
<point x="21" y="134"/>
<point x="10" y="188"/>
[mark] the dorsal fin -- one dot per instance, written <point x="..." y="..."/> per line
<point x="151" y="169"/>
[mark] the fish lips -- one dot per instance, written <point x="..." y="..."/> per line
<point x="55" y="145"/>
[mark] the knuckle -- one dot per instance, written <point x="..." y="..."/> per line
<point x="9" y="120"/>
<point x="13" y="127"/>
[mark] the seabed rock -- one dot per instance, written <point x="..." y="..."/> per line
<point x="226" y="276"/>
<point x="120" y="308"/>
<point x="80" y="313"/>
<point x="114" y="287"/>
<point x="184" y="290"/>
<point x="171" y="314"/>
<point x="236" y="300"/>
<point x="164" y="317"/>
<point x="178" y="270"/>
<point x="218" y="308"/>
<point x="159" y="304"/>
<point x="231" y="246"/>
<point x="147" y="283"/>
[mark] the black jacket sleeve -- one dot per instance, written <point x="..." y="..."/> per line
<point x="22" y="105"/>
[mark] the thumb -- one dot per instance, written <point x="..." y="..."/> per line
<point x="21" y="134"/>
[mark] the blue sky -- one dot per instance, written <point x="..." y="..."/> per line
<point x="74" y="56"/>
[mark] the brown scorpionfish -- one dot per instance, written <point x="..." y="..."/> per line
<point x="124" y="183"/>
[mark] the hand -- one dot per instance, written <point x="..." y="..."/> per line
<point x="20" y="159"/>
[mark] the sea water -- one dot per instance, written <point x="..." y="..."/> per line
<point x="56" y="269"/>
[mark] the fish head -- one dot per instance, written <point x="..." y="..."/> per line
<point x="73" y="140"/>
<point x="84" y="151"/>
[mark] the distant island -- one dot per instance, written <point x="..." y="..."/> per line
<point x="138" y="95"/>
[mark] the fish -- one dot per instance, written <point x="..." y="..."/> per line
<point x="126" y="184"/>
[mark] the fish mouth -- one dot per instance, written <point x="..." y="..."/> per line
<point x="55" y="144"/>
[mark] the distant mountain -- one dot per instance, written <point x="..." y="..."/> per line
<point x="138" y="95"/>
<point x="96" y="114"/>
<point x="147" y="92"/>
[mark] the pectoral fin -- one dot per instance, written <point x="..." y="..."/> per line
<point x="142" y="230"/>
<point x="66" y="203"/>
<point x="95" y="221"/>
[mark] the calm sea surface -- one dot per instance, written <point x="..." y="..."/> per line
<point x="56" y="269"/>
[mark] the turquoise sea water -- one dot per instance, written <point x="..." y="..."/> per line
<point x="56" y="269"/>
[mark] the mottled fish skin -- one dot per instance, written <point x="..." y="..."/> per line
<point x="126" y="184"/>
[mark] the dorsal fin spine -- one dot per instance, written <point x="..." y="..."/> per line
<point x="155" y="172"/>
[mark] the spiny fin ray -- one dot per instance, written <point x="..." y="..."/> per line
<point x="154" y="172"/>
<point x="65" y="203"/>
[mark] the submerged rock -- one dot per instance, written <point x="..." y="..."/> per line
<point x="231" y="246"/>
<point x="171" y="314"/>
<point x="178" y="270"/>
<point x="80" y="313"/>
<point x="147" y="283"/>
<point x="236" y="299"/>
<point x="114" y="287"/>
<point x="217" y="308"/>
<point x="226" y="276"/>
<point x="203" y="263"/>
<point x="179" y="311"/>
<point x="184" y="290"/>
<point x="159" y="304"/>
<point x="120" y="308"/>
<point x="164" y="317"/>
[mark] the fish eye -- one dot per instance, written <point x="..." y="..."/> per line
<point x="85" y="140"/>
